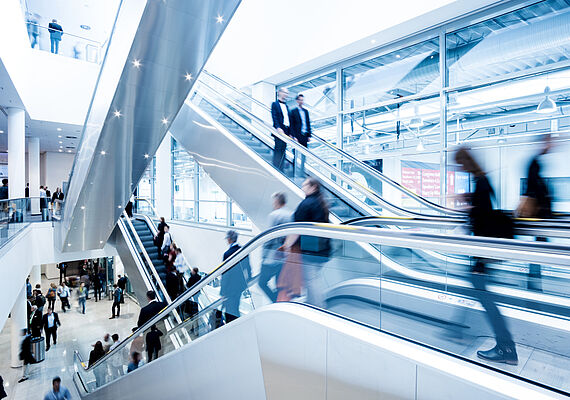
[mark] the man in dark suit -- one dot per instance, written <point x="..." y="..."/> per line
<point x="151" y="309"/>
<point x="50" y="322"/>
<point x="300" y="129"/>
<point x="234" y="280"/>
<point x="55" y="34"/>
<point x="280" y="116"/>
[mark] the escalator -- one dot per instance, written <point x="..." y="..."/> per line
<point x="262" y="353"/>
<point x="242" y="160"/>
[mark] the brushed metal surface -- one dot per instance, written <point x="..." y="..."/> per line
<point x="140" y="90"/>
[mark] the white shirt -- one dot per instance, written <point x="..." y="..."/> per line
<point x="179" y="263"/>
<point x="285" y="114"/>
<point x="50" y="319"/>
<point x="63" y="291"/>
<point x="167" y="241"/>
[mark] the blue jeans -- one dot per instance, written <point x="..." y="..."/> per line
<point x="82" y="304"/>
<point x="54" y="46"/>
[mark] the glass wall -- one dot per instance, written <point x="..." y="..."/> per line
<point x="146" y="188"/>
<point x="497" y="84"/>
<point x="197" y="198"/>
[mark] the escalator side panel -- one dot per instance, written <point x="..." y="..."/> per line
<point x="242" y="174"/>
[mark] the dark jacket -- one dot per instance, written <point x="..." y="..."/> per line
<point x="26" y="350"/>
<point x="297" y="125"/>
<point x="153" y="340"/>
<point x="481" y="212"/>
<point x="537" y="188"/>
<point x="55" y="31"/>
<point x="194" y="279"/>
<point x="36" y="323"/>
<point x="161" y="226"/>
<point x="56" y="322"/>
<point x="94" y="356"/>
<point x="235" y="279"/>
<point x="3" y="192"/>
<point x="122" y="283"/>
<point x="277" y="116"/>
<point x="149" y="311"/>
<point x="313" y="209"/>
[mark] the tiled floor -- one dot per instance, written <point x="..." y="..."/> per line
<point x="77" y="332"/>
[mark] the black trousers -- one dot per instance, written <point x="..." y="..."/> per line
<point x="51" y="332"/>
<point x="117" y="306"/>
<point x="279" y="152"/>
<point x="269" y="270"/>
<point x="152" y="354"/>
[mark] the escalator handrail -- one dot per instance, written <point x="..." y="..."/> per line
<point x="343" y="154"/>
<point x="370" y="194"/>
<point x="483" y="247"/>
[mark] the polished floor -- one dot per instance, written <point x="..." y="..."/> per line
<point x="77" y="332"/>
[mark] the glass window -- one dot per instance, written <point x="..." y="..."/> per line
<point x="146" y="188"/>
<point x="521" y="40"/>
<point x="319" y="94"/>
<point x="184" y="181"/>
<point x="409" y="71"/>
<point x="239" y="218"/>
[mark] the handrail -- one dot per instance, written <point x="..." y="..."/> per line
<point x="153" y="208"/>
<point x="65" y="33"/>
<point x="545" y="253"/>
<point x="330" y="169"/>
<point x="344" y="154"/>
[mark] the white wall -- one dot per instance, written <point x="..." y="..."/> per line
<point x="52" y="88"/>
<point x="203" y="246"/>
<point x="56" y="169"/>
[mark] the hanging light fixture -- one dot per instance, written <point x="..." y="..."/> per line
<point x="547" y="105"/>
<point x="416" y="121"/>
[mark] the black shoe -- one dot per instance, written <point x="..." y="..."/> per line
<point x="506" y="355"/>
<point x="25" y="378"/>
<point x="113" y="317"/>
<point x="47" y="348"/>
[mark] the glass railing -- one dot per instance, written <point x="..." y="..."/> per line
<point x="364" y="176"/>
<point x="70" y="45"/>
<point x="16" y="214"/>
<point x="332" y="268"/>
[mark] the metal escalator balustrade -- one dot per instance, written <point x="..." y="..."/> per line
<point x="340" y="283"/>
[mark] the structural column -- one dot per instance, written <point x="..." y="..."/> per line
<point x="34" y="173"/>
<point x="18" y="317"/>
<point x="16" y="152"/>
<point x="36" y="276"/>
<point x="163" y="179"/>
<point x="263" y="92"/>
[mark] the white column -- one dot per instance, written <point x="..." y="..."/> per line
<point x="36" y="276"/>
<point x="16" y="152"/>
<point x="264" y="93"/>
<point x="163" y="182"/>
<point x="34" y="172"/>
<point x="18" y="317"/>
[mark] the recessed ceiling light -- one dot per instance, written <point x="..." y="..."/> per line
<point x="119" y="206"/>
<point x="136" y="63"/>
<point x="164" y="121"/>
<point x="373" y="41"/>
<point x="220" y="19"/>
<point x="59" y="136"/>
<point x="60" y="150"/>
<point x="103" y="152"/>
<point x="83" y="207"/>
<point x="69" y="245"/>
<point x="1" y="131"/>
<point x="146" y="156"/>
<point x="397" y="56"/>
<point x="188" y="76"/>
<point x="60" y="142"/>
<point x="100" y="242"/>
<point x="69" y="151"/>
<point x="59" y="129"/>
<point x="117" y="113"/>
<point x="61" y="147"/>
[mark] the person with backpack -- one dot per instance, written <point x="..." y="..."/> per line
<point x="51" y="295"/>
<point x="484" y="221"/>
<point x="117" y="297"/>
<point x="39" y="300"/>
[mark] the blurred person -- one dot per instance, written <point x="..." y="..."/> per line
<point x="537" y="203"/>
<point x="172" y="284"/>
<point x="82" y="297"/>
<point x="103" y="281"/>
<point x="2" y="390"/>
<point x="300" y="130"/>
<point x="153" y="307"/>
<point x="314" y="251"/>
<point x="27" y="190"/>
<point x="96" y="354"/>
<point x="63" y="293"/>
<point x="97" y="286"/>
<point x="161" y="225"/>
<point x="166" y="242"/>
<point x="483" y="223"/>
<point x="62" y="272"/>
<point x="119" y="359"/>
<point x="50" y="323"/>
<point x="51" y="295"/>
<point x="56" y="199"/>
<point x="85" y="280"/>
<point x="26" y="355"/>
<point x="137" y="344"/>
<point x="273" y="258"/>
<point x="4" y="189"/>
<point x="191" y="305"/>
<point x="170" y="257"/>
<point x="153" y="344"/>
<point x="280" y="116"/>
<point x="129" y="209"/>
<point x="55" y="34"/>
<point x="136" y="361"/>
<point x="39" y="300"/>
<point x="234" y="280"/>
<point x="159" y="238"/>
<point x="117" y="296"/>
<point x="28" y="288"/>
<point x="58" y="391"/>
<point x="107" y="343"/>
<point x="180" y="262"/>
<point x="33" y="29"/>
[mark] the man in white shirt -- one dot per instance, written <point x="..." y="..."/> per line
<point x="119" y="359"/>
<point x="63" y="293"/>
<point x="166" y="242"/>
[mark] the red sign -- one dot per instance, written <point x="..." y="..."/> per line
<point x="412" y="179"/>
<point x="430" y="183"/>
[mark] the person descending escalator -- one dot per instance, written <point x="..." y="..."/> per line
<point x="485" y="221"/>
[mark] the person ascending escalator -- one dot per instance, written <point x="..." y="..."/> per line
<point x="485" y="221"/>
